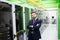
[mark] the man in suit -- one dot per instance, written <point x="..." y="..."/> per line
<point x="33" y="26"/>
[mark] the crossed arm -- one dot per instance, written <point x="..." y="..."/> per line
<point x="37" y="26"/>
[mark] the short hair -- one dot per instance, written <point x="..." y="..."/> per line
<point x="52" y="16"/>
<point x="33" y="12"/>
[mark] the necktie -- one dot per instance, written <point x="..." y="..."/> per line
<point x="33" y="21"/>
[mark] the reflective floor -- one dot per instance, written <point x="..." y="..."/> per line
<point x="50" y="33"/>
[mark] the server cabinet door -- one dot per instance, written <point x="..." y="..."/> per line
<point x="6" y="32"/>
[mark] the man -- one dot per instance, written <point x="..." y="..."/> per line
<point x="33" y="26"/>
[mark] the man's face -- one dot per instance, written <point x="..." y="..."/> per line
<point x="34" y="15"/>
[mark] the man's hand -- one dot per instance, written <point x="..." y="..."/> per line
<point x="37" y="25"/>
<point x="31" y="26"/>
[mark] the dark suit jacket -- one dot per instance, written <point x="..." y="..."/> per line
<point x="34" y="32"/>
